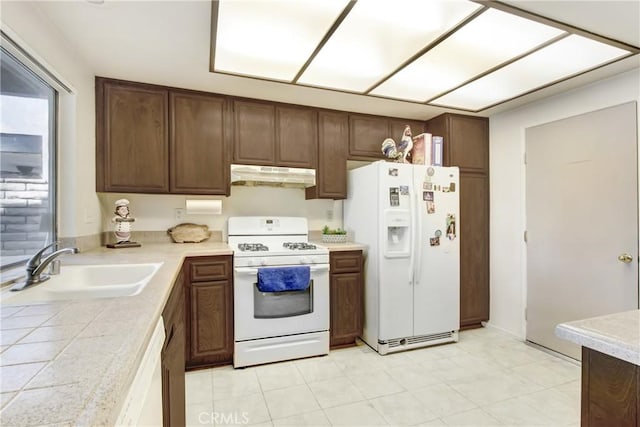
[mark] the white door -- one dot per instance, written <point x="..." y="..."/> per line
<point x="581" y="207"/>
<point x="437" y="251"/>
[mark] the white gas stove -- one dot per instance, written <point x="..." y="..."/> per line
<point x="274" y="326"/>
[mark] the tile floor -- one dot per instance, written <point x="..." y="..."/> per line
<point x="486" y="379"/>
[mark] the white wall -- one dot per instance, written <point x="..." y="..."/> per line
<point x="507" y="177"/>
<point x="157" y="213"/>
<point x="78" y="205"/>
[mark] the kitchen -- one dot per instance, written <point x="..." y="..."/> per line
<point x="83" y="212"/>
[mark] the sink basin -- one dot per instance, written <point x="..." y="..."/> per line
<point x="87" y="282"/>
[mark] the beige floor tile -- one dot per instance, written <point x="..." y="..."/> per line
<point x="199" y="387"/>
<point x="279" y="375"/>
<point x="467" y="365"/>
<point x="290" y="401"/>
<point x="199" y="414"/>
<point x="335" y="392"/>
<point x="413" y="376"/>
<point x="442" y="400"/>
<point x="359" y="363"/>
<point x="355" y="414"/>
<point x="249" y="409"/>
<point x="472" y="418"/>
<point x="571" y="389"/>
<point x="309" y="419"/>
<point x="318" y="369"/>
<point x="560" y="408"/>
<point x="393" y="360"/>
<point x="436" y="422"/>
<point x="493" y="387"/>
<point x="402" y="409"/>
<point x="548" y="373"/>
<point x="376" y="384"/>
<point x="234" y="383"/>
<point x="514" y="412"/>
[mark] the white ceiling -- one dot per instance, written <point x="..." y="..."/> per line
<point x="168" y="43"/>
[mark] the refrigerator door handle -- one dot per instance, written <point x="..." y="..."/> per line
<point x="419" y="243"/>
<point x="413" y="239"/>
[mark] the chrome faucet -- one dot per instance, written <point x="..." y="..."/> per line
<point x="36" y="266"/>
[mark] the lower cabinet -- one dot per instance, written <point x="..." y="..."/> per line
<point x="172" y="357"/>
<point x="346" y="293"/>
<point x="610" y="391"/>
<point x="209" y="302"/>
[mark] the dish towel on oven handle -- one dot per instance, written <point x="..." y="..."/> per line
<point x="279" y="279"/>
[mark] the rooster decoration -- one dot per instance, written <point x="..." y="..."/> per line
<point x="398" y="152"/>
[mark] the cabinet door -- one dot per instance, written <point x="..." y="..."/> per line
<point x="198" y="140"/>
<point x="173" y="387"/>
<point x="366" y="134"/>
<point x="474" y="249"/>
<point x="132" y="148"/>
<point x="469" y="143"/>
<point x="211" y="323"/>
<point x="346" y="308"/>
<point x="296" y="136"/>
<point x="254" y="133"/>
<point x="333" y="140"/>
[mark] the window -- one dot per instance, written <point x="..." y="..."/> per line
<point x="27" y="161"/>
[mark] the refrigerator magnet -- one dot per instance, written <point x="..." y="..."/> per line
<point x="427" y="196"/>
<point x="434" y="241"/>
<point x="438" y="233"/>
<point x="404" y="190"/>
<point x="430" y="171"/>
<point x="451" y="226"/>
<point x="431" y="207"/>
<point x="393" y="171"/>
<point x="427" y="186"/>
<point x="394" y="196"/>
<point x="452" y="187"/>
<point x="445" y="189"/>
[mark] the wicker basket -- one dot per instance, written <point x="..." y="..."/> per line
<point x="334" y="238"/>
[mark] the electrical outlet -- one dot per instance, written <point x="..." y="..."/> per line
<point x="180" y="212"/>
<point x="329" y="214"/>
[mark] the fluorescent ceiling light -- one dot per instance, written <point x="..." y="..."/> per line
<point x="268" y="39"/>
<point x="557" y="61"/>
<point x="378" y="36"/>
<point x="488" y="41"/>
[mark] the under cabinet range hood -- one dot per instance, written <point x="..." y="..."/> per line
<point x="272" y="176"/>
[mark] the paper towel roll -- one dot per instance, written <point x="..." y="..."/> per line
<point x="204" y="207"/>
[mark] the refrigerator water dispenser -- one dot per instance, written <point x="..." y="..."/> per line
<point x="398" y="241"/>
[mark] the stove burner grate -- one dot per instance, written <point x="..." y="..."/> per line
<point x="252" y="247"/>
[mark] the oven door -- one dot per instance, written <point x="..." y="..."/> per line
<point x="273" y="314"/>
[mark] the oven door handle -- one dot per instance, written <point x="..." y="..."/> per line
<point x="254" y="271"/>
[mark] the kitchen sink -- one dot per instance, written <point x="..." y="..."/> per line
<point x="77" y="282"/>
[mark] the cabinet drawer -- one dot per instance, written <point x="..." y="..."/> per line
<point x="346" y="262"/>
<point x="209" y="268"/>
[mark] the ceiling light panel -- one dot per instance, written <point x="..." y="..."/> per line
<point x="377" y="37"/>
<point x="489" y="40"/>
<point x="555" y="62"/>
<point x="268" y="39"/>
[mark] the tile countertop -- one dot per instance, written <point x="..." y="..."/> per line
<point x="617" y="335"/>
<point x="72" y="362"/>
<point x="335" y="247"/>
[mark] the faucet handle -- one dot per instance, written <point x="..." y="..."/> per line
<point x="35" y="259"/>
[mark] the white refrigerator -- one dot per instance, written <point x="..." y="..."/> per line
<point x="408" y="216"/>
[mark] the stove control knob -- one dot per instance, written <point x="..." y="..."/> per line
<point x="250" y="263"/>
<point x="263" y="262"/>
<point x="305" y="260"/>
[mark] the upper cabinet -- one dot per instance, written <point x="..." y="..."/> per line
<point x="199" y="144"/>
<point x="277" y="135"/>
<point x="152" y="139"/>
<point x="132" y="137"/>
<point x="466" y="142"/>
<point x="333" y="140"/>
<point x="366" y="134"/>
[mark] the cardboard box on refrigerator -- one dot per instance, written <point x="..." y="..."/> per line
<point x="421" y="151"/>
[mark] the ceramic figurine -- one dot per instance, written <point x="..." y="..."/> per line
<point x="122" y="225"/>
<point x="406" y="144"/>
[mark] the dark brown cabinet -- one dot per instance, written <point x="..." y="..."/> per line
<point x="346" y="296"/>
<point x="154" y="139"/>
<point x="466" y="145"/>
<point x="366" y="134"/>
<point x="172" y="357"/>
<point x="274" y="134"/>
<point x="333" y="140"/>
<point x="610" y="391"/>
<point x="132" y="137"/>
<point x="209" y="296"/>
<point x="199" y="144"/>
